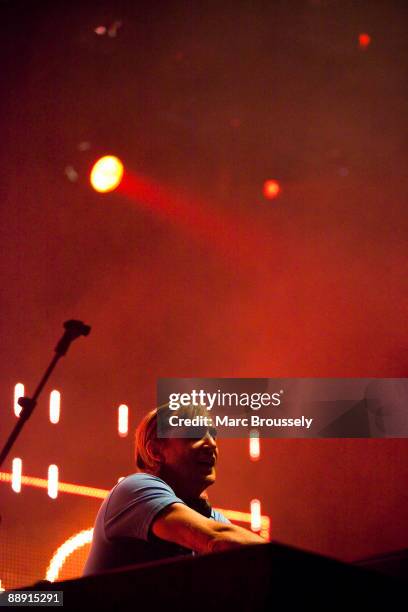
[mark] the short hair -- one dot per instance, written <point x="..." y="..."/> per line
<point x="146" y="436"/>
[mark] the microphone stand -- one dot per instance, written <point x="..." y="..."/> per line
<point x="73" y="329"/>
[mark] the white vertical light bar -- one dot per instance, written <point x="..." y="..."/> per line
<point x="55" y="406"/>
<point x="256" y="523"/>
<point x="123" y="420"/>
<point x="254" y="445"/>
<point x="53" y="481"/>
<point x="18" y="392"/>
<point x="16" y="474"/>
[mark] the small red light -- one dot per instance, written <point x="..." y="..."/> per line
<point x="271" y="189"/>
<point x="364" y="40"/>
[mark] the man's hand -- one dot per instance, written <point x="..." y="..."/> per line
<point x="180" y="524"/>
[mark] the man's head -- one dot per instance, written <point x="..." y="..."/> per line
<point x="186" y="464"/>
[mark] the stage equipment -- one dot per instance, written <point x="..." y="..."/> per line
<point x="73" y="329"/>
<point x="248" y="579"/>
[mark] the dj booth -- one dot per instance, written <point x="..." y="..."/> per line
<point x="259" y="577"/>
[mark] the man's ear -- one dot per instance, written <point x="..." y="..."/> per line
<point x="153" y="448"/>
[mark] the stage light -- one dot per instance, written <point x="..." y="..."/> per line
<point x="256" y="519"/>
<point x="106" y="174"/>
<point x="18" y="392"/>
<point x="55" y="406"/>
<point x="53" y="481"/>
<point x="65" y="550"/>
<point x="100" y="30"/>
<point x="16" y="475"/>
<point x="364" y="40"/>
<point x="63" y="487"/>
<point x="71" y="174"/>
<point x="271" y="189"/>
<point x="123" y="420"/>
<point x="254" y="445"/>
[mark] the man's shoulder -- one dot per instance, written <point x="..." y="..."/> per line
<point x="137" y="477"/>
<point x="137" y="490"/>
<point x="141" y="480"/>
<point x="133" y="504"/>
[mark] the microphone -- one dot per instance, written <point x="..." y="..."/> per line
<point x="73" y="329"/>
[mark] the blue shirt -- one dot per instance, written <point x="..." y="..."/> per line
<point x="122" y="534"/>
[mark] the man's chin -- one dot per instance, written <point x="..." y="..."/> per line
<point x="207" y="477"/>
<point x="210" y="478"/>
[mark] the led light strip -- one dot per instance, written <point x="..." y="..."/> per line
<point x="55" y="406"/>
<point x="18" y="392"/>
<point x="254" y="445"/>
<point x="123" y="420"/>
<point x="65" y="487"/>
<point x="65" y="550"/>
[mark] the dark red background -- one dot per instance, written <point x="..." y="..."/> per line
<point x="209" y="100"/>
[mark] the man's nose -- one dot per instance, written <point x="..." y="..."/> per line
<point x="208" y="439"/>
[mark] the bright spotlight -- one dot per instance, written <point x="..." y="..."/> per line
<point x="271" y="189"/>
<point x="106" y="174"/>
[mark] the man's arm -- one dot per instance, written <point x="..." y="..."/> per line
<point x="180" y="524"/>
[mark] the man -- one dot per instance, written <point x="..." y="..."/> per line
<point x="162" y="511"/>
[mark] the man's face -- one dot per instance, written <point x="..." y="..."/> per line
<point x="190" y="463"/>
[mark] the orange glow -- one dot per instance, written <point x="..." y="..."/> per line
<point x="256" y="522"/>
<point x="254" y="445"/>
<point x="18" y="392"/>
<point x="55" y="406"/>
<point x="364" y="40"/>
<point x="246" y="517"/>
<point x="271" y="189"/>
<point x="16" y="475"/>
<point x="63" y="487"/>
<point x="123" y="420"/>
<point x="106" y="174"/>
<point x="53" y="481"/>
